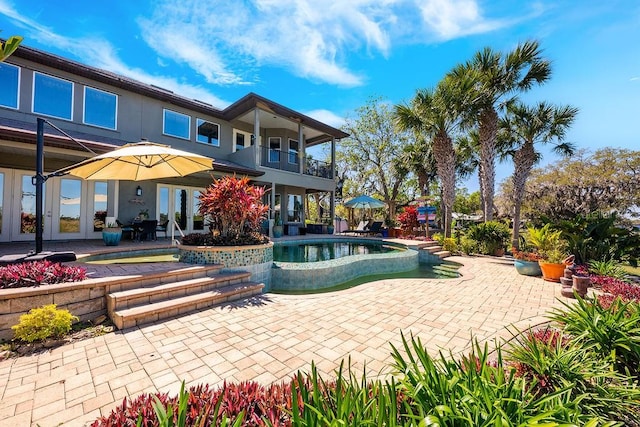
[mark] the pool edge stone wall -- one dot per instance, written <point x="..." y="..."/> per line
<point x="255" y="259"/>
<point x="325" y="274"/>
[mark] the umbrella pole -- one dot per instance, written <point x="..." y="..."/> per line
<point x="39" y="182"/>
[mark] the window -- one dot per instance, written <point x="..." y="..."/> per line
<point x="52" y="96"/>
<point x="294" y="208"/>
<point x="70" y="201"/>
<point x="242" y="140"/>
<point x="208" y="133"/>
<point x="10" y="78"/>
<point x="176" y="124"/>
<point x="293" y="151"/>
<point x="100" y="108"/>
<point x="274" y="149"/>
<point x="99" y="205"/>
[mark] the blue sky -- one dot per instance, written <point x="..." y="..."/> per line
<point x="325" y="58"/>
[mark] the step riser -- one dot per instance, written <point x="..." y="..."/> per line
<point x="115" y="302"/>
<point x="123" y="322"/>
<point x="167" y="277"/>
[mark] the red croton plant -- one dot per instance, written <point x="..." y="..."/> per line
<point x="235" y="210"/>
<point x="409" y="218"/>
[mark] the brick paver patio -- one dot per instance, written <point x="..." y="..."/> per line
<point x="269" y="338"/>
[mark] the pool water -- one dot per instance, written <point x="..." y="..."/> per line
<point x="325" y="251"/>
<point x="446" y="270"/>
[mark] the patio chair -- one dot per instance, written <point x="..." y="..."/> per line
<point x="126" y="228"/>
<point x="162" y="227"/>
<point x="148" y="229"/>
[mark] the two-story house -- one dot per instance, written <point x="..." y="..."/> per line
<point x="100" y="110"/>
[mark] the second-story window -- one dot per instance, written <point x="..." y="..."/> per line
<point x="52" y="96"/>
<point x="241" y="140"/>
<point x="274" y="149"/>
<point x="100" y="108"/>
<point x="207" y="132"/>
<point x="293" y="151"/>
<point x="10" y="78"/>
<point x="176" y="124"/>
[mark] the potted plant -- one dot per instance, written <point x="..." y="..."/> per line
<point x="143" y="214"/>
<point x="552" y="250"/>
<point x="329" y="226"/>
<point x="277" y="229"/>
<point x="111" y="234"/>
<point x="526" y="263"/>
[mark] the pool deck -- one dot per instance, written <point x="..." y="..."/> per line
<point x="267" y="338"/>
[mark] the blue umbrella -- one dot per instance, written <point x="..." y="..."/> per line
<point x="363" y="201"/>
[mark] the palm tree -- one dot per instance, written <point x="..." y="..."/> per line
<point x="436" y="114"/>
<point x="496" y="76"/>
<point x="9" y="47"/>
<point x="523" y="128"/>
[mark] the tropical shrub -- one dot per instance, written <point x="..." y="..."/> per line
<point x="491" y="236"/>
<point x="467" y="245"/>
<point x="235" y="211"/>
<point x="39" y="273"/>
<point x="612" y="333"/>
<point x="525" y="256"/>
<point x="548" y="243"/>
<point x="449" y="244"/>
<point x="599" y="237"/>
<point x="42" y="323"/>
<point x="408" y="218"/>
<point x="608" y="268"/>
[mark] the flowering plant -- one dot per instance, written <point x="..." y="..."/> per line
<point x="409" y="218"/>
<point x="525" y="256"/>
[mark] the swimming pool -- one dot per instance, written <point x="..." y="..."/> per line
<point x="327" y="250"/>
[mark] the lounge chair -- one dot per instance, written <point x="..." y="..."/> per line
<point x="362" y="228"/>
<point x="375" y="228"/>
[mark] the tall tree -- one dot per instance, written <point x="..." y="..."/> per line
<point x="436" y="114"/>
<point x="370" y="151"/>
<point x="497" y="77"/>
<point x="607" y="180"/>
<point x="525" y="127"/>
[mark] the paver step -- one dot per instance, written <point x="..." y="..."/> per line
<point x="135" y="281"/>
<point x="148" y="313"/>
<point x="150" y="294"/>
<point x="442" y="254"/>
<point x="446" y="271"/>
<point x="433" y="248"/>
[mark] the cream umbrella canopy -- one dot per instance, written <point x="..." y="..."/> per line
<point x="138" y="162"/>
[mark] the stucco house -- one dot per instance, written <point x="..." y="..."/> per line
<point x="253" y="137"/>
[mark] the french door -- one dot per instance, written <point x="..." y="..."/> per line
<point x="180" y="204"/>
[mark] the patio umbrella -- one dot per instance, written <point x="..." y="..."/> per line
<point x="138" y="162"/>
<point x="364" y="202"/>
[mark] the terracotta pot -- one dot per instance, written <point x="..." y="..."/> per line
<point x="551" y="272"/>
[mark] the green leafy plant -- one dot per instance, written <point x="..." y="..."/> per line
<point x="600" y="237"/>
<point x="42" y="323"/>
<point x="548" y="242"/>
<point x="467" y="245"/>
<point x="449" y="244"/>
<point x="608" y="268"/>
<point x="235" y="210"/>
<point x="612" y="332"/>
<point x="491" y="236"/>
<point x="10" y="46"/>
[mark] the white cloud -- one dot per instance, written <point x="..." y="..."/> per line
<point x="455" y="18"/>
<point x="226" y="41"/>
<point x="326" y="116"/>
<point x="101" y="54"/>
<point x="633" y="79"/>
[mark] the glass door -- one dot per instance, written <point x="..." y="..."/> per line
<point x="24" y="206"/>
<point x="5" y="221"/>
<point x="68" y="210"/>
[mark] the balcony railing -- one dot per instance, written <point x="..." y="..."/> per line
<point x="288" y="161"/>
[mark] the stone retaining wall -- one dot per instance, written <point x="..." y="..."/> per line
<point x="86" y="299"/>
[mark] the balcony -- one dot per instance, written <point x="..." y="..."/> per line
<point x="288" y="161"/>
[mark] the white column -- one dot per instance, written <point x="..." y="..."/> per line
<point x="256" y="133"/>
<point x="302" y="149"/>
